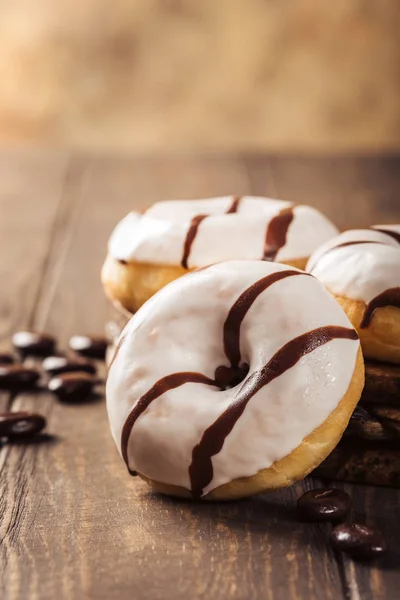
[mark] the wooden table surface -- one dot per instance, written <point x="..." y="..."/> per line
<point x="73" y="524"/>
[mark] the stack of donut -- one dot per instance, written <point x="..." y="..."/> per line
<point x="239" y="372"/>
<point x="361" y="268"/>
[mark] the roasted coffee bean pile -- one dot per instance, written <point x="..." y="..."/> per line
<point x="359" y="541"/>
<point x="72" y="377"/>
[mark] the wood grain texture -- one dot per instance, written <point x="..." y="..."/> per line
<point x="73" y="523"/>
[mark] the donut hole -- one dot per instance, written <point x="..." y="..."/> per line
<point x="229" y="377"/>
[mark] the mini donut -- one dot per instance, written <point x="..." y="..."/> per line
<point x="147" y="251"/>
<point x="233" y="380"/>
<point x="361" y="268"/>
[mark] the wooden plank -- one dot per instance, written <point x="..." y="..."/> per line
<point x="30" y="190"/>
<point x="31" y="185"/>
<point x="74" y="525"/>
<point x="27" y="179"/>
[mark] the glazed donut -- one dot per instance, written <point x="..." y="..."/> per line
<point x="361" y="268"/>
<point x="147" y="251"/>
<point x="232" y="380"/>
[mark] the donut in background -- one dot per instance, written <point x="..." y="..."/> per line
<point x="361" y="268"/>
<point x="147" y="251"/>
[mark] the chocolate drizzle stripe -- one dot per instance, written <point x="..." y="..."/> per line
<point x="194" y="226"/>
<point x="393" y="234"/>
<point x="190" y="237"/>
<point x="116" y="351"/>
<point x="233" y="208"/>
<point x="201" y="468"/>
<point x="240" y="309"/>
<point x="170" y="382"/>
<point x="390" y="297"/>
<point x="355" y="243"/>
<point x="276" y="234"/>
<point x="343" y="245"/>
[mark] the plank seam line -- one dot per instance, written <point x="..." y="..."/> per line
<point x="71" y="202"/>
<point x="51" y="238"/>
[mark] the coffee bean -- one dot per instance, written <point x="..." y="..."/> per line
<point x="33" y="343"/>
<point x="72" y="387"/>
<point x="94" y="346"/>
<point x="20" y="424"/>
<point x="17" y="376"/>
<point x="54" y="365"/>
<point x="323" y="505"/>
<point x="6" y="358"/>
<point x="360" y="541"/>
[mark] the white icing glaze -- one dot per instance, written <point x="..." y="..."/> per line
<point x="181" y="329"/>
<point x="358" y="271"/>
<point x="158" y="236"/>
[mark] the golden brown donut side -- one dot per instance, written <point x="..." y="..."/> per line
<point x="133" y="283"/>
<point x="381" y="339"/>
<point x="296" y="465"/>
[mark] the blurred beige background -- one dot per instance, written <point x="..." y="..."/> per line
<point x="201" y="74"/>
